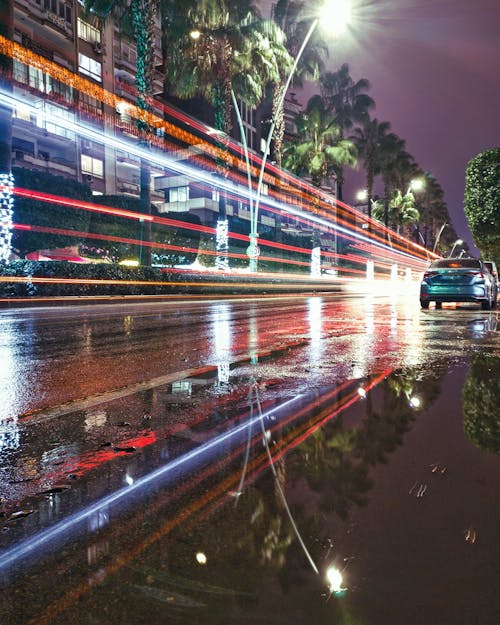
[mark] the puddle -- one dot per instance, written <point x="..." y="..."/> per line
<point x="227" y="500"/>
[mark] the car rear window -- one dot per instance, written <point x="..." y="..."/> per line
<point x="456" y="263"/>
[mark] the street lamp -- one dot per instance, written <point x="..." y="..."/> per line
<point x="438" y="237"/>
<point x="362" y="195"/>
<point x="457" y="242"/>
<point x="335" y="13"/>
<point x="417" y="184"/>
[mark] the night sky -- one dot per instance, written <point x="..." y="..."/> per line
<point x="434" y="67"/>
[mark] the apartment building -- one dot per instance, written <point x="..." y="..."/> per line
<point x="57" y="31"/>
<point x="43" y="139"/>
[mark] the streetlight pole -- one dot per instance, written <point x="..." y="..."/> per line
<point x="457" y="242"/>
<point x="438" y="237"/>
<point x="253" y="248"/>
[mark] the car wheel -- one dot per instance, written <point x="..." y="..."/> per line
<point x="424" y="304"/>
<point x="439" y="304"/>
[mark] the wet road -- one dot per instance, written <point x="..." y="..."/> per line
<point x="207" y="462"/>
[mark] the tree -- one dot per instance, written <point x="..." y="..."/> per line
<point x="138" y="19"/>
<point x="393" y="159"/>
<point x="347" y="101"/>
<point x="292" y="18"/>
<point x="368" y="138"/>
<point x="231" y="40"/>
<point x="319" y="148"/>
<point x="401" y="210"/>
<point x="482" y="202"/>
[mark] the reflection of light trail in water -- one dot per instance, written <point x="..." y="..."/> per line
<point x="220" y="491"/>
<point x="221" y="327"/>
<point x="315" y="329"/>
<point x="187" y="461"/>
<point x="254" y="397"/>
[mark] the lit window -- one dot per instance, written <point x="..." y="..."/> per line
<point x="90" y="67"/>
<point x="179" y="194"/>
<point x="92" y="166"/>
<point x="88" y="32"/>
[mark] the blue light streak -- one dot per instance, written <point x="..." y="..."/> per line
<point x="42" y="539"/>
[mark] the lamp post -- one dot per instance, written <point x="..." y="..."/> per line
<point x="417" y="184"/>
<point x="338" y="13"/>
<point x="457" y="242"/>
<point x="438" y="237"/>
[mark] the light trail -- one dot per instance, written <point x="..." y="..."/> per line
<point x="168" y="162"/>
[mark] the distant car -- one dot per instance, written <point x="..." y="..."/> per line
<point x="457" y="280"/>
<point x="492" y="268"/>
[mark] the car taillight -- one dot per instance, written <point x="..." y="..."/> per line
<point x="475" y="274"/>
<point x="429" y="274"/>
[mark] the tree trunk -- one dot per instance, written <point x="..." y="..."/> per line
<point x="145" y="252"/>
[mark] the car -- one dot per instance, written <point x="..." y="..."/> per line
<point x="492" y="268"/>
<point x="457" y="280"/>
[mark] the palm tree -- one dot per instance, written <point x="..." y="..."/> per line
<point x="231" y="34"/>
<point x="319" y="148"/>
<point x="347" y="101"/>
<point x="368" y="139"/>
<point x="138" y="18"/>
<point x="402" y="210"/>
<point x="392" y="155"/>
<point x="292" y="18"/>
<point x="237" y="52"/>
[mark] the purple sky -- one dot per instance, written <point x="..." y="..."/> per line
<point x="434" y="67"/>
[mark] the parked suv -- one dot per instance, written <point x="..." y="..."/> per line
<point x="458" y="280"/>
<point x="492" y="268"/>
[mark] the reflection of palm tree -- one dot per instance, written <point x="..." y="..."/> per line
<point x="325" y="462"/>
<point x="480" y="403"/>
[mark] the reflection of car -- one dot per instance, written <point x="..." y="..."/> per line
<point x="492" y="268"/>
<point x="483" y="326"/>
<point x="457" y="280"/>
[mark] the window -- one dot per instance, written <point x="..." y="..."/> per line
<point x="50" y="120"/>
<point x="90" y="67"/>
<point x="92" y="166"/>
<point x="88" y="32"/>
<point x="90" y="104"/>
<point x="179" y="194"/>
<point x="59" y="89"/>
<point x="22" y="112"/>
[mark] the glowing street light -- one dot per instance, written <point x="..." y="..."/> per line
<point x="457" y="242"/>
<point x="334" y="580"/>
<point x="417" y="184"/>
<point x="336" y="15"/>
<point x="362" y="195"/>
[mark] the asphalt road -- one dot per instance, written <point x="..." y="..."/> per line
<point x="208" y="461"/>
<point x="52" y="356"/>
